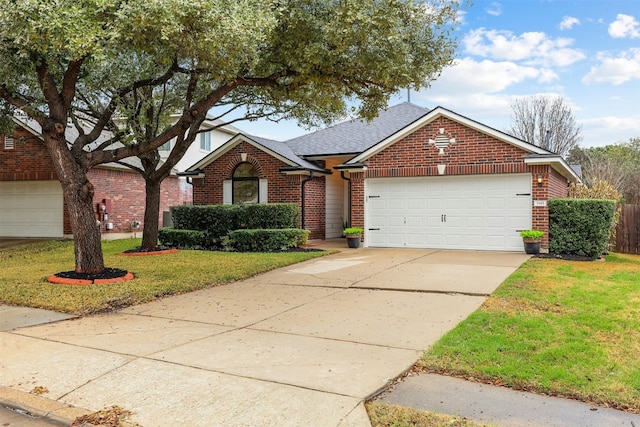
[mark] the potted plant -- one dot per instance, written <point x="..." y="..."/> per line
<point x="532" y="239"/>
<point x="353" y="235"/>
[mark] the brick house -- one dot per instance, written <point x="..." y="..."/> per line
<point x="412" y="177"/>
<point x="31" y="200"/>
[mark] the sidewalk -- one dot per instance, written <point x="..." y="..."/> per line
<point x="500" y="406"/>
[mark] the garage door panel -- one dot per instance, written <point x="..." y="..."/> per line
<point x="454" y="212"/>
<point x="31" y="209"/>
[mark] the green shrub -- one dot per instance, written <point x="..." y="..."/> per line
<point x="603" y="190"/>
<point x="580" y="226"/>
<point x="352" y="230"/>
<point x="184" y="239"/>
<point x="531" y="234"/>
<point x="217" y="221"/>
<point x="269" y="215"/>
<point x="263" y="240"/>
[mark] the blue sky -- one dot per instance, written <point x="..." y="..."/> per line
<point x="587" y="51"/>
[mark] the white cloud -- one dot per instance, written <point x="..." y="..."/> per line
<point x="606" y="130"/>
<point x="470" y="76"/>
<point x="624" y="26"/>
<point x="495" y="9"/>
<point x="534" y="48"/>
<point x="568" y="22"/>
<point x="616" y="70"/>
<point x="477" y="88"/>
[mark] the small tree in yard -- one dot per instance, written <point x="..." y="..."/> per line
<point x="78" y="61"/>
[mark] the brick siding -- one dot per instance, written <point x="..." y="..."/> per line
<point x="30" y="161"/>
<point x="281" y="188"/>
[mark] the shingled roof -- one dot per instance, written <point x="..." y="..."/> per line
<point x="356" y="135"/>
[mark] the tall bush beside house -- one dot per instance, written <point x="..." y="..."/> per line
<point x="580" y="226"/>
<point x="600" y="189"/>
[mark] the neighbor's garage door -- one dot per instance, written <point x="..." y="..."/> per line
<point x="481" y="212"/>
<point x="31" y="209"/>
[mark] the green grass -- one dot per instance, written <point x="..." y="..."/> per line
<point x="555" y="327"/>
<point x="23" y="273"/>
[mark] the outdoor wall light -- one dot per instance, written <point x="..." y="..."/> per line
<point x="539" y="180"/>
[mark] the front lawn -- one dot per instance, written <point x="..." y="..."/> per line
<point x="555" y="327"/>
<point x="23" y="273"/>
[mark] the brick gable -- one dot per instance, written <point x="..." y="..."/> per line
<point x="281" y="188"/>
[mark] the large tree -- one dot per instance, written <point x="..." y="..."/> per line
<point x="302" y="59"/>
<point x="618" y="164"/>
<point x="546" y="121"/>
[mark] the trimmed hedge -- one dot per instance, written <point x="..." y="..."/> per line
<point x="208" y="226"/>
<point x="183" y="239"/>
<point x="263" y="240"/>
<point x="580" y="226"/>
<point x="219" y="220"/>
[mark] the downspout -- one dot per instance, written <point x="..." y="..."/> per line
<point x="304" y="197"/>
<point x="348" y="198"/>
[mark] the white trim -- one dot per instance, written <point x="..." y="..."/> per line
<point x="230" y="144"/>
<point x="227" y="192"/>
<point x="557" y="163"/>
<point x="263" y="190"/>
<point x="9" y="142"/>
<point x="352" y="170"/>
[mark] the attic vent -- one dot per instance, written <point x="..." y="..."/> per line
<point x="442" y="141"/>
<point x="9" y="143"/>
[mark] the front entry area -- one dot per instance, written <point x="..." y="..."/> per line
<point x="477" y="212"/>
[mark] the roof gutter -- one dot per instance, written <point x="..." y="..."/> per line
<point x="351" y="167"/>
<point x="192" y="174"/>
<point x="556" y="162"/>
<point x="295" y="170"/>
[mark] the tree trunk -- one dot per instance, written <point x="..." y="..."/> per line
<point x="151" y="213"/>
<point x="78" y="196"/>
<point x="86" y="232"/>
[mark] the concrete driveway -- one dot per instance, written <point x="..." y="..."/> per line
<point x="302" y="345"/>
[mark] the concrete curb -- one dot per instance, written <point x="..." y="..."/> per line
<point x="39" y="406"/>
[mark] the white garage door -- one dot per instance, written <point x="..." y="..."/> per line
<point x="31" y="209"/>
<point x="482" y="212"/>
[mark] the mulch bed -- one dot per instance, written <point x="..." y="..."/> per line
<point x="139" y="251"/>
<point x="108" y="275"/>
<point x="568" y="257"/>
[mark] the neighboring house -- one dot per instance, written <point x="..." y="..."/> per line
<point x="214" y="133"/>
<point x="31" y="199"/>
<point x="412" y="177"/>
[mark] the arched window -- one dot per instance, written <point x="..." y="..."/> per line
<point x="246" y="185"/>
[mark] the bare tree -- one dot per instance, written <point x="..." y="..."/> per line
<point x="546" y="121"/>
<point x="618" y="164"/>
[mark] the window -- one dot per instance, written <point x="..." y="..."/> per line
<point x="205" y="141"/>
<point x="165" y="147"/>
<point x="245" y="184"/>
<point x="8" y="143"/>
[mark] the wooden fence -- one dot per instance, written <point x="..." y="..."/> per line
<point x="628" y="230"/>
